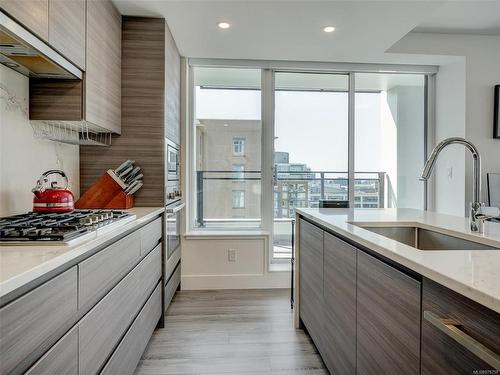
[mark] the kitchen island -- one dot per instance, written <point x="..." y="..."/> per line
<point x="377" y="296"/>
<point x="86" y="307"/>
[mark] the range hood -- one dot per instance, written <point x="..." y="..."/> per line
<point x="29" y="55"/>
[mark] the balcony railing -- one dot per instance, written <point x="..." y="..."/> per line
<point x="231" y="199"/>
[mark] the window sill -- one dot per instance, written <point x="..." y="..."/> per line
<point x="212" y="234"/>
<point x="280" y="267"/>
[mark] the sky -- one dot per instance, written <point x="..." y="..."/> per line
<point x="311" y="126"/>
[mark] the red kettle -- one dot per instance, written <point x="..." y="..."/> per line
<point x="53" y="199"/>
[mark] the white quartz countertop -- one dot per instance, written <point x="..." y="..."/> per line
<point x="472" y="273"/>
<point x="21" y="265"/>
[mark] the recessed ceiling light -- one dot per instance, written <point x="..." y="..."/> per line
<point x="226" y="125"/>
<point x="224" y="25"/>
<point x="329" y="29"/>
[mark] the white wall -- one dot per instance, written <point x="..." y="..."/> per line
<point x="464" y="108"/>
<point x="24" y="158"/>
<point x="205" y="264"/>
<point x="409" y="120"/>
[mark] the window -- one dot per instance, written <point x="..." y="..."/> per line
<point x="389" y="140"/>
<point x="238" y="199"/>
<point x="226" y="137"/>
<point x="239" y="172"/>
<point x="239" y="146"/>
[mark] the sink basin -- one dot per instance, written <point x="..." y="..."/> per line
<point x="425" y="239"/>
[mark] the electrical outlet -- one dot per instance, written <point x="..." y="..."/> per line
<point x="231" y="255"/>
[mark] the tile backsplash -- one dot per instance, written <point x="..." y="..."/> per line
<point x="23" y="158"/>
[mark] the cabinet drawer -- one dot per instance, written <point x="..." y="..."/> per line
<point x="61" y="359"/>
<point x="125" y="358"/>
<point x="150" y="235"/>
<point x="98" y="274"/>
<point x="388" y="319"/>
<point x="28" y="322"/>
<point x="172" y="285"/>
<point x="101" y="329"/>
<point x="441" y="353"/>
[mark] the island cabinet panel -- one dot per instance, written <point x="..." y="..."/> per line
<point x="33" y="320"/>
<point x="388" y="319"/>
<point x="67" y="29"/>
<point x="102" y="271"/>
<point x="101" y="329"/>
<point x="32" y="14"/>
<point x="311" y="280"/>
<point x="339" y="274"/>
<point x="456" y="333"/>
<point x="61" y="359"/>
<point x="129" y="352"/>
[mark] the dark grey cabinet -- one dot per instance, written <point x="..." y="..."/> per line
<point x="367" y="316"/>
<point x="311" y="280"/>
<point x="339" y="290"/>
<point x="388" y="319"/>
<point x="459" y="336"/>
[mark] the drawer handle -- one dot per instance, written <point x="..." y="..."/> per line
<point x="450" y="328"/>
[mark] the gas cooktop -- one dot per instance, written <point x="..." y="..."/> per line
<point x="33" y="228"/>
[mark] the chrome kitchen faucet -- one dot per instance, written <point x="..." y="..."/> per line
<point x="476" y="214"/>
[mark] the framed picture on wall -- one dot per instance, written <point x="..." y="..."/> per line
<point x="496" y="116"/>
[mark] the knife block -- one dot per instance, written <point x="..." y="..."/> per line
<point x="106" y="193"/>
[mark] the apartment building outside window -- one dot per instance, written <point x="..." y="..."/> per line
<point x="227" y="148"/>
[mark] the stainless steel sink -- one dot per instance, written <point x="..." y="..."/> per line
<point x="425" y="239"/>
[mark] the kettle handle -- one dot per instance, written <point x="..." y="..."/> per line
<point x="43" y="177"/>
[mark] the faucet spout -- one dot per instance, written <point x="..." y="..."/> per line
<point x="476" y="174"/>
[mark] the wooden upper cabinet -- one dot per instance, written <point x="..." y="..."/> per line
<point x="67" y="29"/>
<point x="32" y="14"/>
<point x="97" y="99"/>
<point x="103" y="66"/>
<point x="172" y="88"/>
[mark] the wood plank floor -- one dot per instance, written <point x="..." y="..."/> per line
<point x="230" y="332"/>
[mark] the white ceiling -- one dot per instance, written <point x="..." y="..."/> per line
<point x="285" y="29"/>
<point x="464" y="17"/>
<point x="293" y="29"/>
